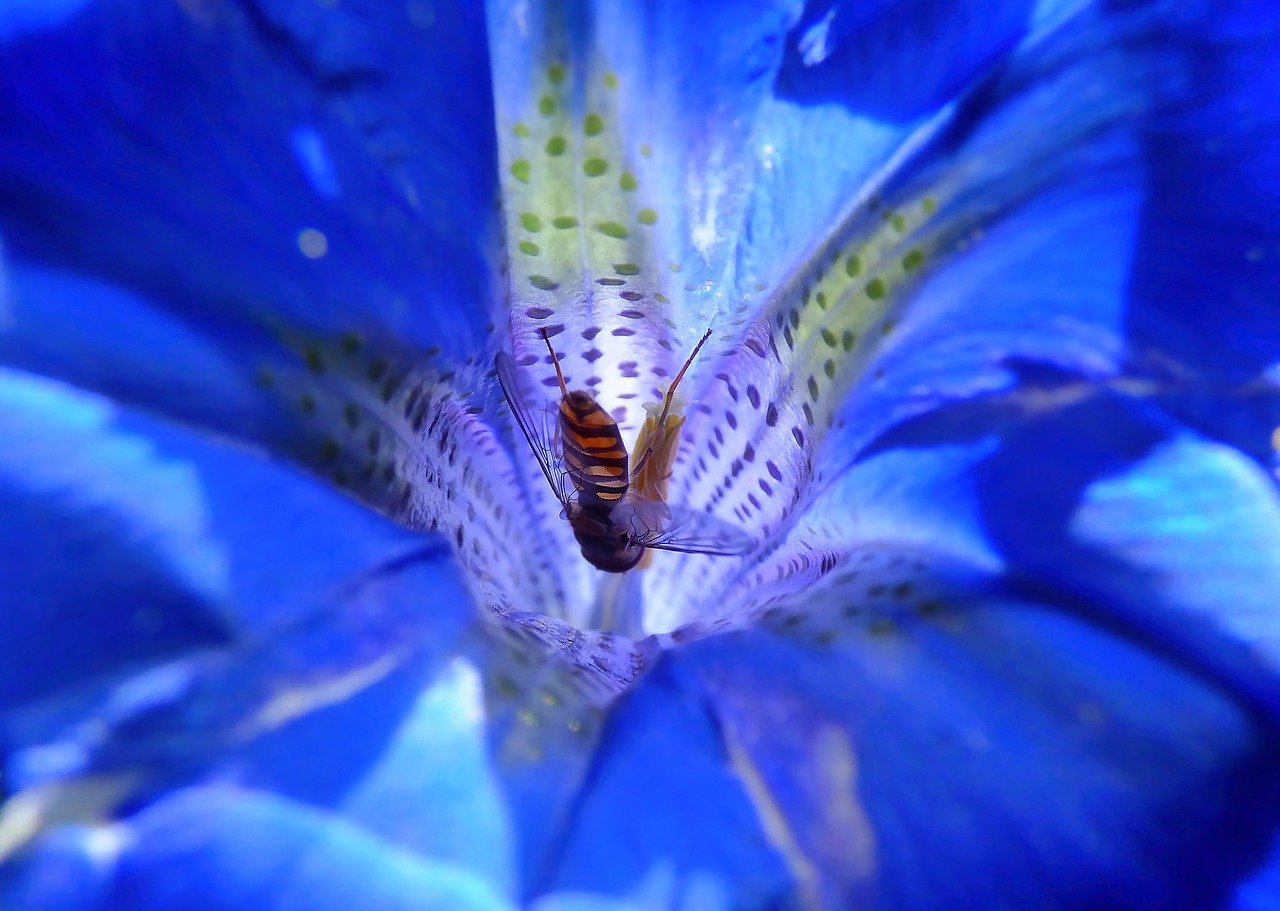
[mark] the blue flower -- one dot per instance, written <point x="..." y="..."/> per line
<point x="291" y="618"/>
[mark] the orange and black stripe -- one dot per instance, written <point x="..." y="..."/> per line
<point x="594" y="454"/>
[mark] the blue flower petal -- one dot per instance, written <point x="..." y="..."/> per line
<point x="190" y="196"/>
<point x="1104" y="504"/>
<point x="625" y="157"/>
<point x="176" y="541"/>
<point x="983" y="752"/>
<point x="665" y="168"/>
<point x="897" y="60"/>
<point x="856" y="80"/>
<point x="108" y="555"/>
<point x="70" y="870"/>
<point x="219" y="847"/>
<point x="1209" y="250"/>
<point x="548" y="691"/>
<point x="575" y="901"/>
<point x="1261" y="892"/>
<point x="1082" y="247"/>
<point x="1009" y="237"/>
<point x="662" y="802"/>
<point x="433" y="788"/>
<point x="323" y="711"/>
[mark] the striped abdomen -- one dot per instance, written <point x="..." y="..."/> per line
<point x="593" y="451"/>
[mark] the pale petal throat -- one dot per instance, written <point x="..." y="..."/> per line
<point x="594" y="248"/>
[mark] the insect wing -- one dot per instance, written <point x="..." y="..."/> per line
<point x="663" y="526"/>
<point x="531" y="413"/>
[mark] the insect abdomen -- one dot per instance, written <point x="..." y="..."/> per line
<point x="594" y="454"/>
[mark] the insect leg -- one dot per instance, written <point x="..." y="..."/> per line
<point x="564" y="390"/>
<point x="666" y="402"/>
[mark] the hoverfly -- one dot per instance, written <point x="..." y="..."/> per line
<point x="581" y="452"/>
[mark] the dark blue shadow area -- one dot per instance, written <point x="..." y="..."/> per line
<point x="304" y="712"/>
<point x="1031" y="488"/>
<point x="896" y="60"/>
<point x="76" y="602"/>
<point x="259" y="164"/>
<point x="1207" y="266"/>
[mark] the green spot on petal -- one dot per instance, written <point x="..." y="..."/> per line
<point x="542" y="283"/>
<point x="529" y="248"/>
<point x="594" y="167"/>
<point x="930" y="205"/>
<point x="875" y="289"/>
<point x="520" y="130"/>
<point x="852" y="266"/>
<point x="646" y="216"/>
<point x="626" y="268"/>
<point x="520" y="170"/>
<point x="564" y="221"/>
<point x="530" y="222"/>
<point x="912" y="260"/>
<point x="555" y="73"/>
<point x="611" y="80"/>
<point x="612" y="229"/>
<point x="627" y="181"/>
<point x="546" y="106"/>
<point x="593" y="125"/>
<point x="821" y="298"/>
<point x="646" y="150"/>
<point x="556" y="145"/>
<point x="899" y="223"/>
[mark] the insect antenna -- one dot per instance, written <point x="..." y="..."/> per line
<point x="666" y="401"/>
<point x="555" y="359"/>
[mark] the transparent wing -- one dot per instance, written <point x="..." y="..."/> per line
<point x="663" y="526"/>
<point x="530" y="410"/>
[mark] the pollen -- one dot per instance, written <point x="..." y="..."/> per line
<point x="312" y="243"/>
